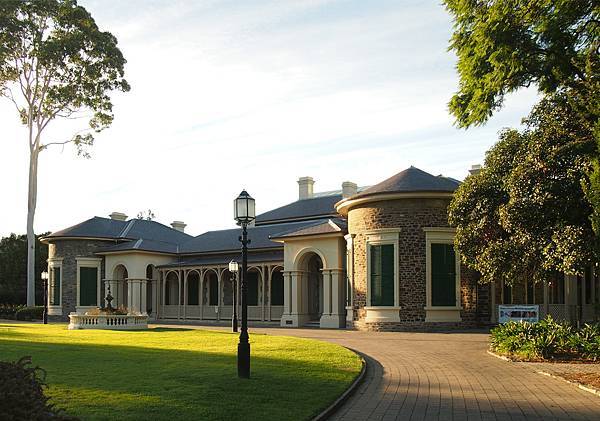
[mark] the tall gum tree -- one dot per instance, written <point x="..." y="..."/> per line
<point x="55" y="63"/>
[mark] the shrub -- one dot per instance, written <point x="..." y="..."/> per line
<point x="22" y="393"/>
<point x="546" y="339"/>
<point x="30" y="313"/>
<point x="8" y="311"/>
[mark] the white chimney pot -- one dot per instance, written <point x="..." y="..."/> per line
<point x="475" y="169"/>
<point x="305" y="187"/>
<point x="349" y="189"/>
<point x="118" y="216"/>
<point x="179" y="225"/>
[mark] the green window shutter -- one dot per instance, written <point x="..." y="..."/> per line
<point x="88" y="286"/>
<point x="382" y="275"/>
<point x="213" y="297"/>
<point x="252" y="288"/>
<point x="277" y="289"/>
<point x="193" y="291"/>
<point x="443" y="275"/>
<point x="56" y="287"/>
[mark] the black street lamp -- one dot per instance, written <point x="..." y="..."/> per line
<point x="233" y="269"/>
<point x="244" y="214"/>
<point x="44" y="276"/>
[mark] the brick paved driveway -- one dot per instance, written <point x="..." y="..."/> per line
<point x="431" y="376"/>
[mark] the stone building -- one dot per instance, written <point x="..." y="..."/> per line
<point x="378" y="258"/>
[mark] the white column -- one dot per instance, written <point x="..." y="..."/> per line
<point x="336" y="318"/>
<point x="326" y="276"/>
<point x="178" y="294"/>
<point x="185" y="293"/>
<point x="134" y="295"/>
<point x="143" y="296"/>
<point x="201" y="292"/>
<point x="164" y="292"/>
<point x="154" y="286"/>
<point x="220" y="297"/>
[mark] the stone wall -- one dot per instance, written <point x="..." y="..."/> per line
<point x="410" y="216"/>
<point x="69" y="250"/>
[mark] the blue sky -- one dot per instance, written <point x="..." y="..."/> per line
<point x="229" y="95"/>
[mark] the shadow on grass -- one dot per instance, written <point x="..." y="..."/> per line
<point x="98" y="381"/>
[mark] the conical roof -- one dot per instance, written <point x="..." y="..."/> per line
<point x="411" y="180"/>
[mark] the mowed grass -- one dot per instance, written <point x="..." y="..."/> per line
<point x="181" y="373"/>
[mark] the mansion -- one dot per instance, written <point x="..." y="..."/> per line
<point x="376" y="258"/>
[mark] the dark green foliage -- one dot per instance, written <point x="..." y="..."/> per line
<point x="525" y="215"/>
<point x="29" y="313"/>
<point x="13" y="268"/>
<point x="22" y="393"/>
<point x="546" y="339"/>
<point x="503" y="45"/>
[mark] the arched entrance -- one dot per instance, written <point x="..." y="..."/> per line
<point x="313" y="275"/>
<point x="120" y="274"/>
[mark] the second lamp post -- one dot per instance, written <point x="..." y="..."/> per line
<point x="244" y="214"/>
<point x="233" y="269"/>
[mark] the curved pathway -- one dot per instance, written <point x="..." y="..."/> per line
<point x="447" y="376"/>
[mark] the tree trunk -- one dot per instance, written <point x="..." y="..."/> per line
<point x="31" y="204"/>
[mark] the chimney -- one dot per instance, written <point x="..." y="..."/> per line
<point x="475" y="169"/>
<point x="179" y="225"/>
<point x="349" y="189"/>
<point x="118" y="216"/>
<point x="305" y="187"/>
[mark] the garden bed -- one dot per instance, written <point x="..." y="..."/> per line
<point x="547" y="341"/>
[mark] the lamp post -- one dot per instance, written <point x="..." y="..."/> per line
<point x="44" y="276"/>
<point x="233" y="268"/>
<point x="244" y="214"/>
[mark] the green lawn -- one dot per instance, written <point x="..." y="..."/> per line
<point x="181" y="373"/>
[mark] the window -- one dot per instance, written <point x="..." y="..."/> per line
<point x="556" y="290"/>
<point x="506" y="293"/>
<point x="54" y="289"/>
<point x="88" y="286"/>
<point x="382" y="274"/>
<point x="213" y="292"/>
<point x="588" y="285"/>
<point x="443" y="275"/>
<point x="252" y="284"/>
<point x="277" y="289"/>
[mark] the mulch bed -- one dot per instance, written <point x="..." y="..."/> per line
<point x="586" y="379"/>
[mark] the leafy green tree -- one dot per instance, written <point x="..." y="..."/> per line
<point x="55" y="63"/>
<point x="503" y="45"/>
<point x="13" y="268"/>
<point x="525" y="214"/>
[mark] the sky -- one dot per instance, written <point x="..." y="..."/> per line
<point x="230" y="95"/>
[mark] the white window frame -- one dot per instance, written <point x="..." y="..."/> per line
<point x="441" y="235"/>
<point x="89" y="262"/>
<point x="380" y="237"/>
<point x="53" y="263"/>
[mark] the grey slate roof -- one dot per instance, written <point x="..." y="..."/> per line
<point x="315" y="207"/>
<point x="411" y="180"/>
<point x="225" y="258"/>
<point x="329" y="226"/>
<point x="142" y="245"/>
<point x="153" y="235"/>
<point x="225" y="240"/>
